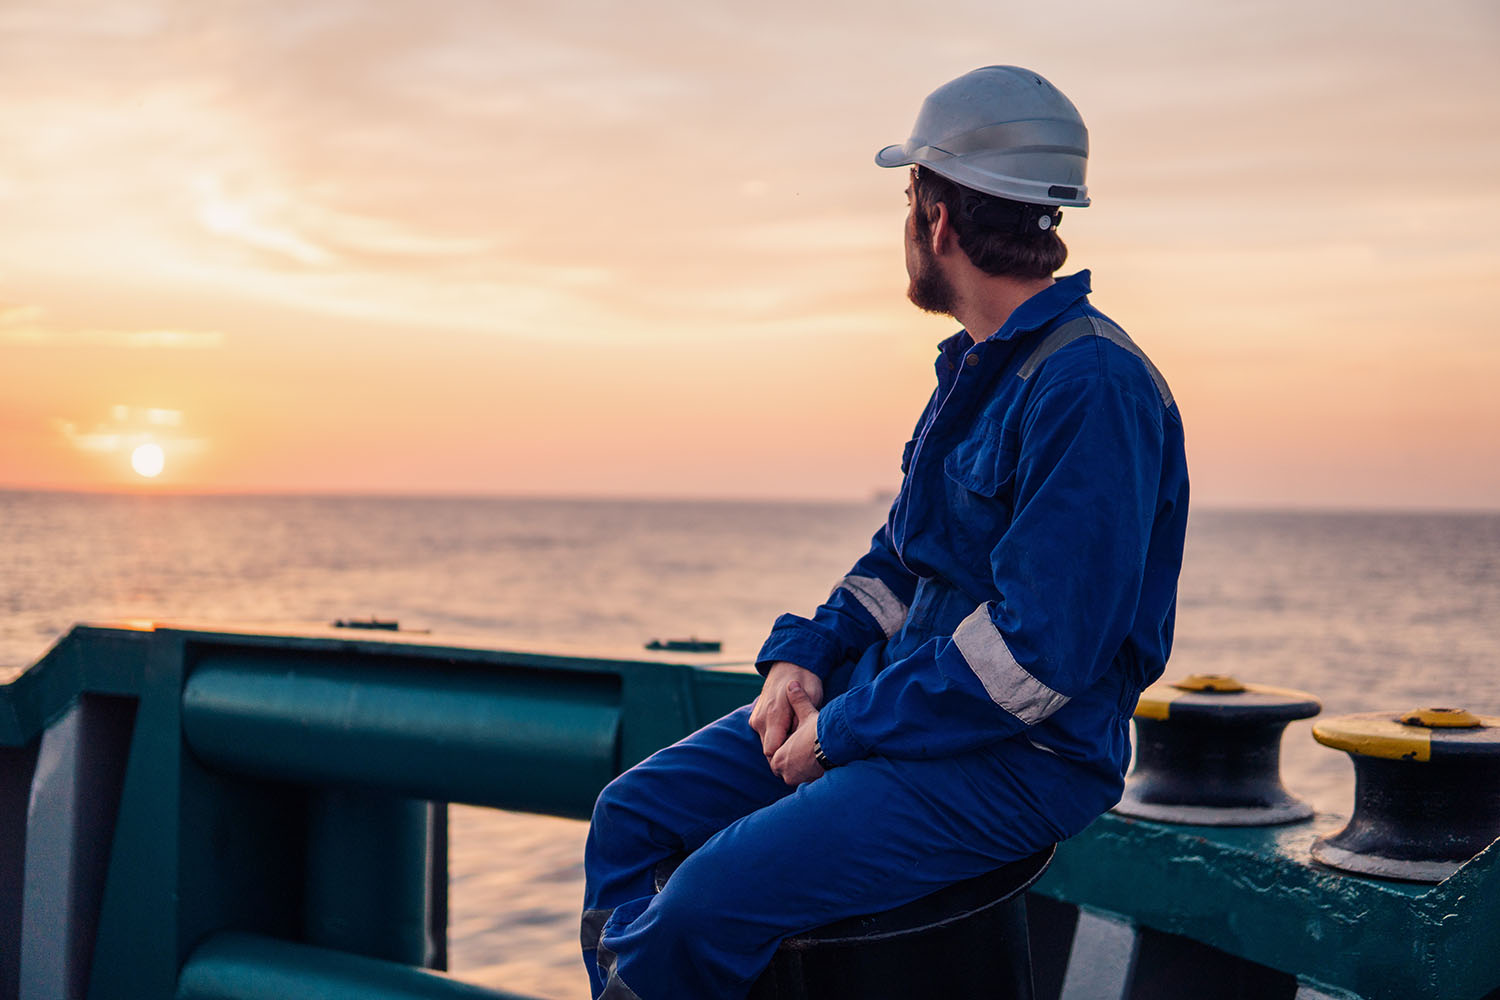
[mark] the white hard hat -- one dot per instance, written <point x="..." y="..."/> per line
<point x="1002" y="130"/>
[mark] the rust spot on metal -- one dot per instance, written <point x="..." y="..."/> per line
<point x="1440" y="718"/>
<point x="1218" y="683"/>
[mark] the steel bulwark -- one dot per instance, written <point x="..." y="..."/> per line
<point x="278" y="831"/>
<point x="288" y="787"/>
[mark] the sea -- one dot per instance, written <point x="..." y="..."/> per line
<point x="1368" y="610"/>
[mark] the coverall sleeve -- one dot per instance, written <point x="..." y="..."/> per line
<point x="866" y="606"/>
<point x="1068" y="572"/>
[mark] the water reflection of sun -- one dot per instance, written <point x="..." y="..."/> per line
<point x="148" y="460"/>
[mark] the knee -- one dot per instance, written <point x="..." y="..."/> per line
<point x="618" y="803"/>
<point x="621" y="828"/>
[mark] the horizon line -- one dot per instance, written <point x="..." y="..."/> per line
<point x="874" y="496"/>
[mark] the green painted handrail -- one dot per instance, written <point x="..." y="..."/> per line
<point x="276" y="823"/>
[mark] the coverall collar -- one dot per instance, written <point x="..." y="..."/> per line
<point x="1033" y="314"/>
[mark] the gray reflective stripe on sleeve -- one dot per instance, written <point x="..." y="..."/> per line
<point x="1091" y="326"/>
<point x="593" y="927"/>
<point x="614" y="986"/>
<point x="1008" y="683"/>
<point x="884" y="606"/>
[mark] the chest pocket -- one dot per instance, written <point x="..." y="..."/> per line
<point x="985" y="462"/>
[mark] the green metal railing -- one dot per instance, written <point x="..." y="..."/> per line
<point x="218" y="814"/>
<point x="281" y="799"/>
<point x="508" y="736"/>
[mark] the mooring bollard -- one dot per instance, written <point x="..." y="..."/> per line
<point x="967" y="941"/>
<point x="1208" y="753"/>
<point x="1426" y="792"/>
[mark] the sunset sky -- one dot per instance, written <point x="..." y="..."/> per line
<point x="643" y="250"/>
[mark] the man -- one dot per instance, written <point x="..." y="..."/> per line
<point x="963" y="697"/>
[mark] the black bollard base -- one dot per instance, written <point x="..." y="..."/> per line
<point x="964" y="942"/>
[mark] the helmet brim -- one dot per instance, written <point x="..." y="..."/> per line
<point x="894" y="156"/>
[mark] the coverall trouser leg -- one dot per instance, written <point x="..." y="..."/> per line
<point x="768" y="861"/>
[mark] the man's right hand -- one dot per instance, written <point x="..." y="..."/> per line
<point x="772" y="718"/>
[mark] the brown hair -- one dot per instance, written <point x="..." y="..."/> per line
<point x="1015" y="255"/>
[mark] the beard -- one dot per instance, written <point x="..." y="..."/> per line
<point x="930" y="290"/>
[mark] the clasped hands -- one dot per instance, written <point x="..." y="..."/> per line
<point x="785" y="717"/>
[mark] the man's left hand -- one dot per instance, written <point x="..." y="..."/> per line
<point x="794" y="762"/>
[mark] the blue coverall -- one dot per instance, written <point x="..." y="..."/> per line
<point x="980" y="666"/>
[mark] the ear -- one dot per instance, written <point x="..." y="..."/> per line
<point x="944" y="238"/>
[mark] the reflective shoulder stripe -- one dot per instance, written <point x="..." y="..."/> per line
<point x="1007" y="682"/>
<point x="888" y="610"/>
<point x="593" y="927"/>
<point x="1055" y="341"/>
<point x="1091" y="326"/>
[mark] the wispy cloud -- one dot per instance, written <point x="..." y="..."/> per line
<point x="252" y="221"/>
<point x="18" y="315"/>
<point x="23" y="326"/>
<point x="305" y="229"/>
<point x="128" y="427"/>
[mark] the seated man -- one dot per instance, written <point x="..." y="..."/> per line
<point x="963" y="697"/>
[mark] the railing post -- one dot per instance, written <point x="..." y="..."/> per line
<point x="17" y="765"/>
<point x="369" y="875"/>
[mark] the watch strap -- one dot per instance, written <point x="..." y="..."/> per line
<point x="820" y="756"/>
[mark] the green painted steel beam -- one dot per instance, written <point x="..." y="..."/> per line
<point x="98" y="660"/>
<point x="514" y="738"/>
<point x="663" y="693"/>
<point x="250" y="967"/>
<point x="1255" y="893"/>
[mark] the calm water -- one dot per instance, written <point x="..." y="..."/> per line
<point x="1368" y="611"/>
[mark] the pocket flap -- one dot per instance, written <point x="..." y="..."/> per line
<point x="985" y="462"/>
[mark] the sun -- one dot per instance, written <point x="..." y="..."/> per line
<point x="148" y="460"/>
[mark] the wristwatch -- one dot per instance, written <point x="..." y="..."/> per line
<point x="820" y="756"/>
